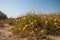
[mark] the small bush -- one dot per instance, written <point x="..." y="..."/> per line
<point x="2" y="16"/>
<point x="33" y="24"/>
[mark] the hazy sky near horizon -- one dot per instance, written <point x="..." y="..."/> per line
<point x="14" y="8"/>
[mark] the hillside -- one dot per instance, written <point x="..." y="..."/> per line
<point x="31" y="27"/>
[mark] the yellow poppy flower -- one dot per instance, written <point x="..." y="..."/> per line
<point x="29" y="21"/>
<point x="32" y="22"/>
<point x="35" y="20"/>
<point x="24" y="28"/>
<point x="36" y="29"/>
<point x="46" y="22"/>
<point x="26" y="25"/>
<point x="54" y="19"/>
<point x="42" y="31"/>
<point x="55" y="23"/>
<point x="24" y="18"/>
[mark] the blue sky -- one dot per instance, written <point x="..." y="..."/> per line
<point x="14" y="8"/>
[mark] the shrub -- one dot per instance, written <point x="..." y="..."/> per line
<point x="2" y="16"/>
<point x="33" y="24"/>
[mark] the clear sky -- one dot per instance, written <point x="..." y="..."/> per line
<point x="14" y="8"/>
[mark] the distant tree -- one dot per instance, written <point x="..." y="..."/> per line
<point x="2" y="16"/>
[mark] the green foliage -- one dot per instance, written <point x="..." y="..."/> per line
<point x="34" y="24"/>
<point x="2" y="16"/>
